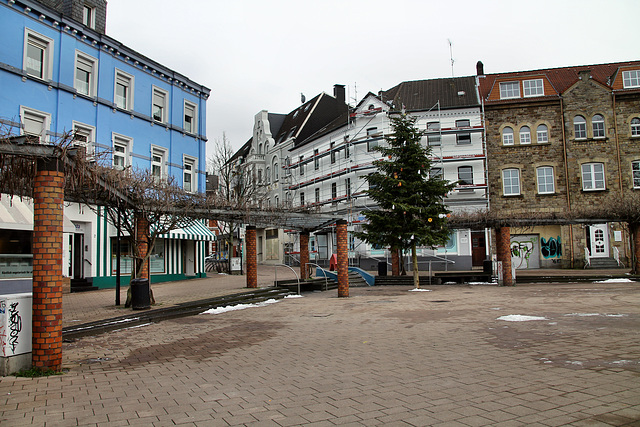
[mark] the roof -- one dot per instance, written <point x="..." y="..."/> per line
<point x="557" y="80"/>
<point x="420" y="95"/>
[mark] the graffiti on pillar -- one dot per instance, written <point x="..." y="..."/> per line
<point x="551" y="248"/>
<point x="521" y="252"/>
<point x="3" y="333"/>
<point x="15" y="326"/>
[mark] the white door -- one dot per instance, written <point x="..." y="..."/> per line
<point x="599" y="237"/>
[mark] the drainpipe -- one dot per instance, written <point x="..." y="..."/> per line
<point x="566" y="180"/>
<point x="615" y="127"/>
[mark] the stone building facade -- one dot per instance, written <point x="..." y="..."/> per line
<point x="563" y="141"/>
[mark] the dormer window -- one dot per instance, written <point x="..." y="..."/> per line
<point x="631" y="79"/>
<point x="533" y="87"/>
<point x="89" y="17"/>
<point x="509" y="90"/>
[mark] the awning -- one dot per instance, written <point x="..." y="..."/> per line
<point x="17" y="214"/>
<point x="194" y="231"/>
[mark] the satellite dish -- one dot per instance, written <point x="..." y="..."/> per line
<point x="302" y="98"/>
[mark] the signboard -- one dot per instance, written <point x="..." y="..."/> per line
<point x="236" y="264"/>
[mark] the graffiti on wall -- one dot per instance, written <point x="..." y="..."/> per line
<point x="551" y="248"/>
<point x="521" y="252"/>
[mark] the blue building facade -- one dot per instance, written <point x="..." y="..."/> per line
<point x="61" y="74"/>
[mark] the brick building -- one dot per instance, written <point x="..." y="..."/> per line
<point x="559" y="141"/>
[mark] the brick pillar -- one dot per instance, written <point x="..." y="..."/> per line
<point x="343" y="258"/>
<point x="252" y="259"/>
<point x="304" y="255"/>
<point x="142" y="233"/>
<point x="503" y="247"/>
<point x="47" y="266"/>
<point x="395" y="262"/>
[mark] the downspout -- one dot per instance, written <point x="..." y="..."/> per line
<point x="566" y="180"/>
<point x="487" y="234"/>
<point x="615" y="127"/>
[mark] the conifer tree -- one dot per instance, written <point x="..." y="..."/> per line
<point x="411" y="211"/>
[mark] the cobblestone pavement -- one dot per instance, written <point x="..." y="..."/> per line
<point x="383" y="356"/>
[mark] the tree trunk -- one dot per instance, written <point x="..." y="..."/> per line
<point x="414" y="259"/>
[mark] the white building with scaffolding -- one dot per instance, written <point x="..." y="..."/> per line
<point x="322" y="151"/>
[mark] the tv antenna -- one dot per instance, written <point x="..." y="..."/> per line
<point x="451" y="56"/>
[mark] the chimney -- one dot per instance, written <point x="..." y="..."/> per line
<point x="338" y="93"/>
<point x="480" y="68"/>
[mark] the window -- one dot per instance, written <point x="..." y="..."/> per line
<point x="301" y="166"/>
<point x="593" y="176"/>
<point x="434" y="140"/>
<point x="347" y="187"/>
<point x="317" y="195"/>
<point x="86" y="73"/>
<point x="435" y="173"/>
<point x="635" y="168"/>
<point x="465" y="175"/>
<point x="259" y="176"/>
<point x="159" y="105"/>
<point x="463" y="123"/>
<point x="434" y="126"/>
<point x="190" y="122"/>
<point x="189" y="177"/>
<point x="511" y="182"/>
<point x="158" y="162"/>
<point x="334" y="190"/>
<point x="287" y="165"/>
<point x="542" y="134"/>
<point x="332" y="147"/>
<point x="123" y="94"/>
<point x="259" y="148"/>
<point x="580" y="127"/>
<point x="463" y="138"/>
<point x="316" y="160"/>
<point x="371" y="144"/>
<point x="631" y="78"/>
<point x="347" y="147"/>
<point x="635" y="126"/>
<point x="546" y="183"/>
<point x="267" y="175"/>
<point x="507" y="136"/>
<point x="84" y="136"/>
<point x="121" y="150"/>
<point x="35" y="123"/>
<point x="525" y="135"/>
<point x="89" y="17"/>
<point x="301" y="199"/>
<point x="276" y="172"/>
<point x="597" y="122"/>
<point x="276" y="201"/>
<point x="533" y="87"/>
<point x="509" y="90"/>
<point x="38" y="55"/>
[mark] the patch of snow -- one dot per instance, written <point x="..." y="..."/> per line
<point x="574" y="362"/>
<point x="293" y="296"/>
<point x="219" y="310"/>
<point x="520" y="318"/>
<point x="419" y="290"/>
<point x="615" y="281"/>
<point x="496" y="308"/>
<point x="615" y="315"/>
<point x="621" y="362"/>
<point x="552" y="323"/>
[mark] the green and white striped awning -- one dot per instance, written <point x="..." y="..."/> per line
<point x="194" y="231"/>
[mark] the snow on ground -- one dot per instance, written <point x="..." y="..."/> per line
<point x="219" y="310"/>
<point x="293" y="296"/>
<point x="520" y="318"/>
<point x="615" y="281"/>
<point x="419" y="290"/>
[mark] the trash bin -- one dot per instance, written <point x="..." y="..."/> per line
<point x="487" y="266"/>
<point x="382" y="268"/>
<point x="140" y="299"/>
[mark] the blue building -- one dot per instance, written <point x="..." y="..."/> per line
<point x="59" y="74"/>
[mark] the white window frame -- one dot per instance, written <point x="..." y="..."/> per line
<point x="465" y="168"/>
<point x="193" y="163"/>
<point x="525" y="135"/>
<point x="301" y="165"/>
<point x="590" y="179"/>
<point x="533" y="88"/>
<point x="87" y="136"/>
<point x="276" y="172"/>
<point x="128" y="82"/>
<point x="631" y="79"/>
<point x="160" y="165"/>
<point x="508" y="90"/>
<point x="334" y="190"/>
<point x="507" y="136"/>
<point x="191" y="111"/>
<point x="580" y="127"/>
<point x="434" y="140"/>
<point x="347" y="187"/>
<point x="27" y="113"/>
<point x="463" y="138"/>
<point x="88" y="64"/>
<point x="163" y="97"/>
<point x="436" y="173"/>
<point x="124" y="142"/>
<point x="542" y="134"/>
<point x="302" y="198"/>
<point x="89" y="16"/>
<point x="545" y="177"/>
<point x="316" y="159"/>
<point x="598" y="127"/>
<point x="317" y="194"/>
<point x="511" y="184"/>
<point x="634" y="125"/>
<point x="46" y="45"/>
<point x="635" y="173"/>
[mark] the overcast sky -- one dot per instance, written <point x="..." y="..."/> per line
<point x="259" y="54"/>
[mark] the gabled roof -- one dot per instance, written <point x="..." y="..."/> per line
<point x="557" y="80"/>
<point x="421" y="95"/>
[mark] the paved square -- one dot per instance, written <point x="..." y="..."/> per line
<point x="384" y="356"/>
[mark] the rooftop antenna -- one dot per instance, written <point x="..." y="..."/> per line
<point x="451" y="56"/>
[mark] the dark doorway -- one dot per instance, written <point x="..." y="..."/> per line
<point x="478" y="248"/>
<point x="78" y="256"/>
